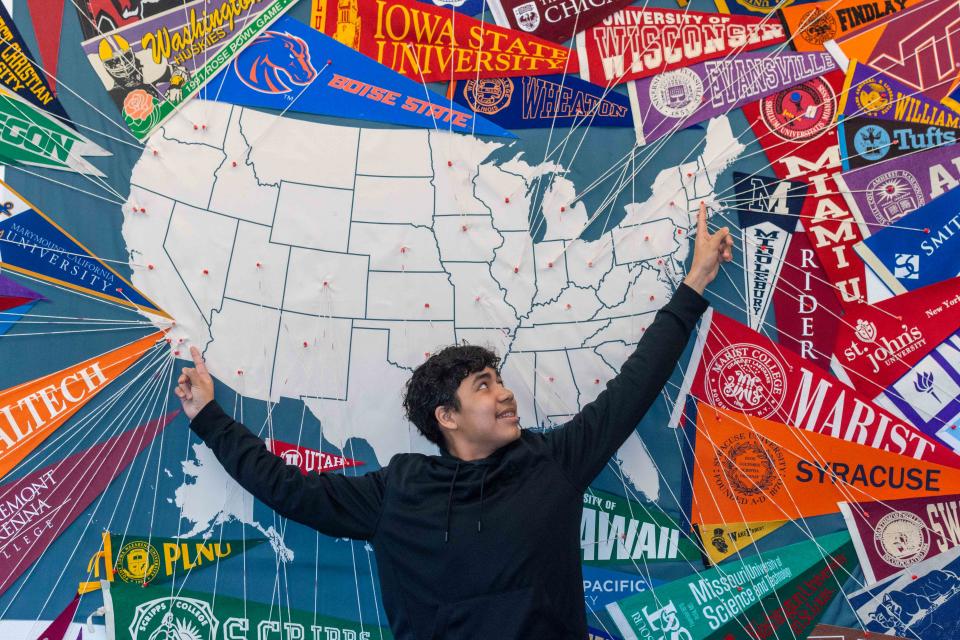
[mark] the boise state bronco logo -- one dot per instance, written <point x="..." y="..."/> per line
<point x="273" y="62"/>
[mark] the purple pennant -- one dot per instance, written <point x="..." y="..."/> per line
<point x="10" y="289"/>
<point x="59" y="627"/>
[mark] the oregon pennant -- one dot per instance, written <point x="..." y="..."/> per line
<point x="720" y="541"/>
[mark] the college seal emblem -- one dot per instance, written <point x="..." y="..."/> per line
<point x="527" y="15"/>
<point x="894" y="194"/>
<point x="901" y="539"/>
<point x="488" y="95"/>
<point x="677" y="93"/>
<point x="748" y="378"/>
<point x="801" y="112"/>
<point x="749" y="469"/>
<point x="138" y="561"/>
<point x="817" y="26"/>
<point x="173" y="619"/>
<point x="871" y="142"/>
<point x="874" y="96"/>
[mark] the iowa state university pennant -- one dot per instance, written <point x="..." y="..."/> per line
<point x="428" y="44"/>
<point x="812" y="24"/>
<point x="637" y="42"/>
<point x="555" y="20"/>
<point x="872" y="93"/>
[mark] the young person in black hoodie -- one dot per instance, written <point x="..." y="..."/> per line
<point x="482" y="541"/>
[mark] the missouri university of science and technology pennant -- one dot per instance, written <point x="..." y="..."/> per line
<point x="284" y="69"/>
<point x="151" y="67"/>
<point x="21" y="72"/>
<point x="767" y="210"/>
<point x="38" y="507"/>
<point x="872" y="93"/>
<point x="866" y="141"/>
<point x="755" y="469"/>
<point x="920" y="248"/>
<point x="892" y="536"/>
<point x="719" y="602"/>
<point x="307" y="459"/>
<point x="720" y="541"/>
<point x="676" y="99"/>
<point x="555" y="20"/>
<point x="545" y="101"/>
<point x="141" y="613"/>
<point x="738" y="368"/>
<point x="34" y="245"/>
<point x="637" y="42"/>
<point x="918" y="46"/>
<point x="812" y="24"/>
<point x="427" y="44"/>
<point x="31" y="411"/>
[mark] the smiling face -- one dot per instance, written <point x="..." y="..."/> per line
<point x="486" y="420"/>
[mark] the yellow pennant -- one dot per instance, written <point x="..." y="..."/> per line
<point x="720" y="541"/>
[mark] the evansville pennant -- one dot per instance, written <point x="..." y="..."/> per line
<point x="308" y="460"/>
<point x="756" y="469"/>
<point x="427" y="44"/>
<point x="866" y="141"/>
<point x="36" y="246"/>
<point x="676" y="99"/>
<point x="919" y="46"/>
<point x="868" y="92"/>
<point x="720" y="541"/>
<point x="637" y="42"/>
<point x="56" y="495"/>
<point x="742" y="370"/>
<point x="31" y="411"/>
<point x="281" y="69"/>
<point x="812" y="24"/>
<point x="555" y="20"/>
<point x="19" y="70"/>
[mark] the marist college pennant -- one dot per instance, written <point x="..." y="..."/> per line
<point x="428" y="44"/>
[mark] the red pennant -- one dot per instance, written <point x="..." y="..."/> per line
<point x="59" y="627"/>
<point x="48" y="18"/>
<point x="309" y="459"/>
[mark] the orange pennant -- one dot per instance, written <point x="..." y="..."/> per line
<point x="32" y="411"/>
<point x="813" y="23"/>
<point x="750" y="469"/>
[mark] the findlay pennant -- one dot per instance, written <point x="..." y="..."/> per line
<point x="812" y="24"/>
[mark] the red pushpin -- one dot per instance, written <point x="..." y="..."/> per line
<point x="239" y="372"/>
<point x="325" y="283"/>
<point x="150" y="267"/>
<point x="596" y="381"/>
<point x="926" y="229"/>
<point x="463" y="228"/>
<point x="449" y="163"/>
<point x="646" y="238"/>
<point x="550" y="378"/>
<point x="204" y="127"/>
<point x="177" y="352"/>
<point x="403" y="249"/>
<point x="477" y="299"/>
<point x="143" y="209"/>
<point x="679" y="232"/>
<point x="590" y="263"/>
<point x="426" y="354"/>
<point x="155" y="152"/>
<point x="206" y="272"/>
<point x="507" y="199"/>
<point x="652" y="297"/>
<point x="195" y="127"/>
<point x="562" y="209"/>
<point x="516" y="269"/>
<point x="234" y="163"/>
<point x="305" y="344"/>
<point x="259" y="264"/>
<point x="569" y="306"/>
<point x="426" y="305"/>
<point x="672" y="203"/>
<point x="689" y="175"/>
<point x="550" y="265"/>
<point x="660" y="261"/>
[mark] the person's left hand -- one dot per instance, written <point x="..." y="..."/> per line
<point x="709" y="251"/>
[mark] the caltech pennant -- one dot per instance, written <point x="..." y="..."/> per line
<point x="427" y="44"/>
<point x="34" y="245"/>
<point x="281" y="68"/>
<point x="812" y="24"/>
<point x="866" y="141"/>
<point x="57" y="494"/>
<point x="20" y="71"/>
<point x="872" y="93"/>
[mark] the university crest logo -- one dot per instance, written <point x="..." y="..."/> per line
<point x="528" y="17"/>
<point x="273" y="62"/>
<point x="174" y="619"/>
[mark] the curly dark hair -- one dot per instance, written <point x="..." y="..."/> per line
<point x="434" y="384"/>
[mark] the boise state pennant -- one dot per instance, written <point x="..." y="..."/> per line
<point x="281" y="69"/>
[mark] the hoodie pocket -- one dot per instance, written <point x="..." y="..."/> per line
<point x="521" y="613"/>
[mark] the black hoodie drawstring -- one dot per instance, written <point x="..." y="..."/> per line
<point x="483" y="479"/>
<point x="453" y="482"/>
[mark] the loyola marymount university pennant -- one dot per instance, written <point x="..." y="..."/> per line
<point x="637" y="42"/>
<point x="740" y="369"/>
<point x="868" y="92"/>
<point x="676" y="99"/>
<point x="556" y="20"/>
<point x="427" y="44"/>
<point x="812" y="24"/>
<point x="866" y="141"/>
<point x="307" y="459"/>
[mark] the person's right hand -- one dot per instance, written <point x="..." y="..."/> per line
<point x="195" y="386"/>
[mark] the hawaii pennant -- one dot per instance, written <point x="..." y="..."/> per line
<point x="34" y="245"/>
<point x="720" y="541"/>
<point x="281" y="69"/>
<point x="56" y="495"/>
<point x="663" y="103"/>
<point x="427" y="44"/>
<point x="866" y="141"/>
<point x="31" y="411"/>
<point x="637" y="42"/>
<point x="742" y="370"/>
<point x="19" y="70"/>
<point x="307" y="459"/>
<point x="554" y="20"/>
<point x="812" y="24"/>
<point x="868" y="92"/>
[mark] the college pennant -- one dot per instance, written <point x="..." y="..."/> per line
<point x="281" y="69"/>
<point x="742" y="370"/>
<point x="754" y="469"/>
<point x="720" y="541"/>
<point x="307" y="459"/>
<point x="57" y="494"/>
<point x="603" y="586"/>
<point x="19" y="70"/>
<point x="866" y="141"/>
<point x="57" y="630"/>
<point x="743" y="599"/>
<point x="833" y="632"/>
<point x="676" y="99"/>
<point x="904" y="45"/>
<point x="13" y="294"/>
<point x="31" y="411"/>
<point x="48" y="38"/>
<point x="427" y="44"/>
<point x="554" y="20"/>
<point x="812" y="24"/>
<point x="637" y="42"/>
<point x="872" y="93"/>
<point x="34" y="245"/>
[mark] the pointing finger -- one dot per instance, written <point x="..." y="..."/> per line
<point x="702" y="220"/>
<point x="198" y="360"/>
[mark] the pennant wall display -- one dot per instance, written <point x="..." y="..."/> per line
<point x="637" y="42"/>
<point x="893" y="536"/>
<point x="34" y="245"/>
<point x="918" y="46"/>
<point x="307" y="459"/>
<point x="804" y="304"/>
<point x="767" y="209"/>
<point x="742" y="370"/>
<point x="813" y="24"/>
<point x="920" y="248"/>
<point x="98" y="19"/>
<point x="154" y="65"/>
<point x="866" y="141"/>
<point x="720" y="541"/>
<point x="281" y="69"/>
<point x="682" y="97"/>
<point x="755" y="469"/>
<point x="753" y="7"/>
<point x="147" y="613"/>
<point x="461" y="7"/>
<point x="427" y="44"/>
<point x="545" y="102"/>
<point x="618" y="531"/>
<point x="57" y="494"/>
<point x="31" y="411"/>
<point x="804" y="114"/>
<point x="57" y="630"/>
<point x="952" y="99"/>
<point x="717" y="603"/>
<point x="140" y="559"/>
<point x="603" y="586"/>
<point x="833" y="632"/>
<point x="20" y="71"/>
<point x="882" y="193"/>
<point x="556" y="20"/>
<point x="871" y="93"/>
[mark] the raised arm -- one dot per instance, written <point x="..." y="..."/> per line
<point x="585" y="444"/>
<point x="333" y="504"/>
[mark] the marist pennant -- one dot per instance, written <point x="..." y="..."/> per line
<point x="427" y="44"/>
